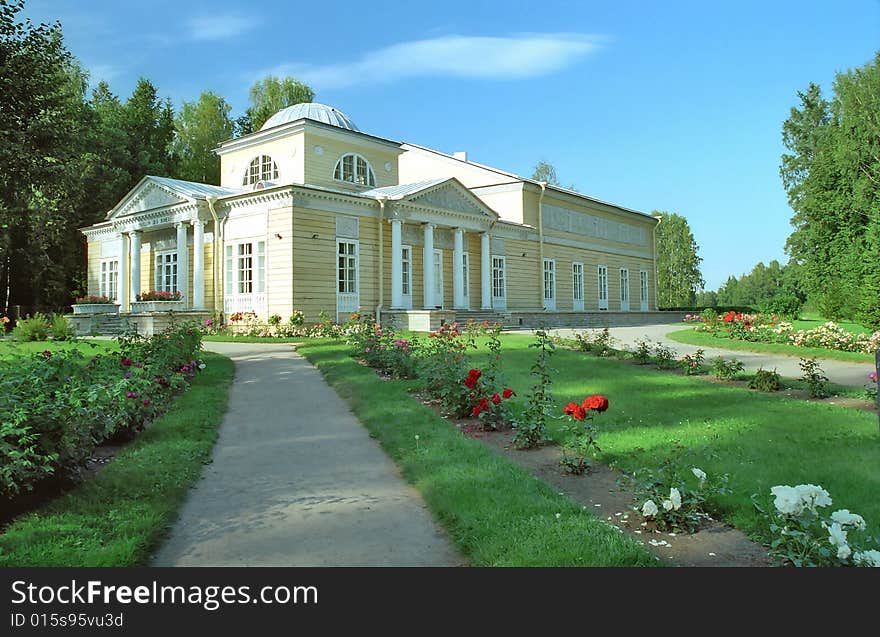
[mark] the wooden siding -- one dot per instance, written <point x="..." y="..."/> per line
<point x="319" y="168"/>
<point x="287" y="153"/>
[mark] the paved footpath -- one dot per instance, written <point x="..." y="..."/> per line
<point x="296" y="480"/>
<point x="840" y="372"/>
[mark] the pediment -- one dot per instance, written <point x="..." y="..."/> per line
<point x="452" y="195"/>
<point x="147" y="195"/>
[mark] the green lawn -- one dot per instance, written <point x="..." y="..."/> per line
<point x="119" y="517"/>
<point x="704" y="339"/>
<point x="496" y="513"/>
<point x="847" y="326"/>
<point x="9" y="347"/>
<point x="761" y="440"/>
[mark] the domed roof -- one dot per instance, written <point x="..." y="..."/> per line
<point x="311" y="110"/>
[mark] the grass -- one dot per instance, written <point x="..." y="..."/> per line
<point x="761" y="440"/>
<point x="496" y="513"/>
<point x="118" y="517"/>
<point x="10" y="348"/>
<point x="703" y="339"/>
<point x="846" y="326"/>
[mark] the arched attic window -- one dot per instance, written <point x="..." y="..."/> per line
<point x="261" y="168"/>
<point x="355" y="169"/>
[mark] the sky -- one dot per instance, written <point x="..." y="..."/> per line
<point x="673" y="106"/>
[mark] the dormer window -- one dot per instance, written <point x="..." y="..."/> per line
<point x="262" y="168"/>
<point x="355" y="169"/>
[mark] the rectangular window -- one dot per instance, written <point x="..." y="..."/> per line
<point x="261" y="266"/>
<point x="348" y="168"/>
<point x="229" y="271"/>
<point x="361" y="171"/>
<point x="245" y="268"/>
<point x="406" y="269"/>
<point x="643" y="290"/>
<point x="602" y="278"/>
<point x="438" y="278"/>
<point x="549" y="284"/>
<point x="109" y="285"/>
<point x="347" y="267"/>
<point x="577" y="286"/>
<point x="624" y="289"/>
<point x="166" y="271"/>
<point x="499" y="284"/>
<point x="466" y="275"/>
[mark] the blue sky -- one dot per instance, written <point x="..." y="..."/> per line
<point x="674" y="106"/>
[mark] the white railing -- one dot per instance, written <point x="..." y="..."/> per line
<point x="233" y="303"/>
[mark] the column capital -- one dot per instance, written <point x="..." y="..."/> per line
<point x="197" y="222"/>
<point x="429" y="224"/>
<point x="180" y="225"/>
<point x="134" y="233"/>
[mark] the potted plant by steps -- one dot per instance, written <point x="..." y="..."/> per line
<point x="157" y="301"/>
<point x="95" y="305"/>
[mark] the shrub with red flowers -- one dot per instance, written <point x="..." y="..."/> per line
<point x="160" y="295"/>
<point x="486" y="403"/>
<point x="94" y="300"/>
<point x="580" y="442"/>
<point x="379" y="347"/>
<point x="55" y="407"/>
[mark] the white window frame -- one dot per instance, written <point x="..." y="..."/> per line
<point x="624" y="289"/>
<point x="549" y="273"/>
<point x="253" y="300"/>
<point x="602" y="286"/>
<point x="643" y="290"/>
<point x="577" y="286"/>
<point x="348" y="299"/>
<point x="260" y="168"/>
<point x="499" y="281"/>
<point x="406" y="270"/>
<point x="360" y="172"/>
<point x="438" y="277"/>
<point x="108" y="279"/>
<point x="165" y="260"/>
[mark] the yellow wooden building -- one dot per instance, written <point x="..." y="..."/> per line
<point x="313" y="214"/>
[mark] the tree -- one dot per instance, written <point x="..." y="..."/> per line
<point x="678" y="264"/>
<point x="199" y="128"/>
<point x="149" y="127"/>
<point x="270" y="95"/>
<point x="706" y="298"/>
<point x="545" y="172"/>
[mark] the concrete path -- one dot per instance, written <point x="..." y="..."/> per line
<point x="297" y="481"/>
<point x="840" y="372"/>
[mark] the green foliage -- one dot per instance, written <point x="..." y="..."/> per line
<point x="766" y="381"/>
<point x="692" y="364"/>
<point x="199" y="128"/>
<point x="784" y="305"/>
<point x="664" y="357"/>
<point x="32" y="328"/>
<point x="61" y="329"/>
<point x="771" y="288"/>
<point x="275" y="320"/>
<point x="270" y="95"/>
<point x="815" y="378"/>
<point x="600" y="343"/>
<point x="678" y="264"/>
<point x="724" y="369"/>
<point x="642" y="355"/>
<point x="531" y="427"/>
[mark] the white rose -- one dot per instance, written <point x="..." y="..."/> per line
<point x="700" y="474"/>
<point x="843" y="552"/>
<point x="845" y="518"/>
<point x="788" y="500"/>
<point x="649" y="508"/>
<point x="836" y="535"/>
<point x="813" y="496"/>
<point x="667" y="504"/>
<point x="867" y="558"/>
<point x="675" y="498"/>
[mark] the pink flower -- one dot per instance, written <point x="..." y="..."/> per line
<point x="872" y="377"/>
<point x="146" y="402"/>
<point x="46" y="354"/>
<point x="131" y="394"/>
<point x="126" y="361"/>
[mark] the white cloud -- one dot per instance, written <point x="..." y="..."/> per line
<point x="500" y="58"/>
<point x="221" y="26"/>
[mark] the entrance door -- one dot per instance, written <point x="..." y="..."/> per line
<point x="406" y="269"/>
<point x="603" y="287"/>
<point x="624" y="290"/>
<point x="438" y="278"/>
<point x="550" y="285"/>
<point x="499" y="283"/>
<point x="348" y="297"/>
<point x="643" y="290"/>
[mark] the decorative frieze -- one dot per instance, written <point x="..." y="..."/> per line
<point x="587" y="225"/>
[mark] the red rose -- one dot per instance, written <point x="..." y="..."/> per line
<point x="126" y="361"/>
<point x="570" y="409"/>
<point x="476" y="412"/>
<point x="496" y="398"/>
<point x="507" y="393"/>
<point x="46" y="354"/>
<point x="596" y="403"/>
<point x="484" y="403"/>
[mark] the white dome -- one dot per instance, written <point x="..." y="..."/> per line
<point x="311" y="110"/>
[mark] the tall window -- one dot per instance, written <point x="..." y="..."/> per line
<point x="577" y="285"/>
<point x="466" y="275"/>
<point x="166" y="271"/>
<point x="109" y="283"/>
<point x="499" y="285"/>
<point x="347" y="267"/>
<point x="261" y="168"/>
<point x="643" y="290"/>
<point x="406" y="269"/>
<point x="246" y="268"/>
<point x="550" y="284"/>
<point x="624" y="289"/>
<point x="355" y="169"/>
<point x="602" y="279"/>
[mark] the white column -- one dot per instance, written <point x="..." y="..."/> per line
<point x="458" y="270"/>
<point x="485" y="272"/>
<point x="396" y="266"/>
<point x="428" y="267"/>
<point x="123" y="284"/>
<point x="182" y="262"/>
<point x="198" y="295"/>
<point x="135" y="264"/>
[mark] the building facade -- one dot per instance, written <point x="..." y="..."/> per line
<point x="314" y="215"/>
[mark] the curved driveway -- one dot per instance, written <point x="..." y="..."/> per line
<point x="840" y="372"/>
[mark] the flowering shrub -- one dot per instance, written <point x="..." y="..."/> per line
<point x="724" y="369"/>
<point x="601" y="343"/>
<point x="531" y="428"/>
<point x="160" y="295"/>
<point x="580" y="442"/>
<point x="766" y="381"/>
<point x="832" y="336"/>
<point x="674" y="498"/>
<point x="803" y="536"/>
<point x="94" y="300"/>
<point x="55" y="407"/>
<point x="642" y="353"/>
<point x="692" y="364"/>
<point x="664" y="357"/>
<point x="871" y="387"/>
<point x="815" y="378"/>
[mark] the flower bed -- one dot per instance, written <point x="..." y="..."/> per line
<point x="139" y="307"/>
<point x="56" y="407"/>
